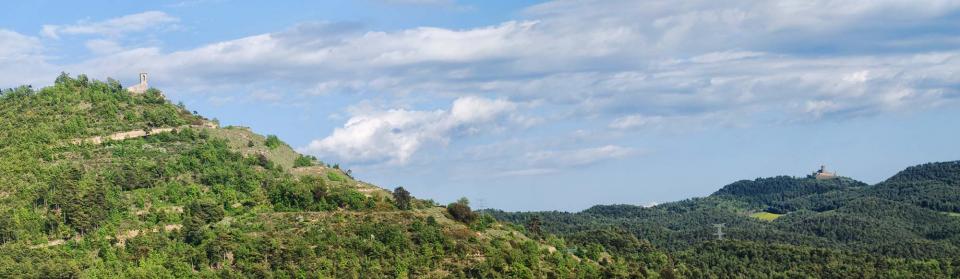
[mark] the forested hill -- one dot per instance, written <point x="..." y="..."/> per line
<point x="98" y="182"/>
<point x="945" y="172"/>
<point x="935" y="186"/>
<point x="775" y="193"/>
<point x="905" y="227"/>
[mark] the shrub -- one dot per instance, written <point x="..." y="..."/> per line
<point x="484" y="221"/>
<point x="351" y="199"/>
<point x="334" y="177"/>
<point x="533" y="227"/>
<point x="401" y="198"/>
<point x="461" y="211"/>
<point x="7" y="232"/>
<point x="272" y="142"/>
<point x="139" y="174"/>
<point x="263" y="161"/>
<point x="303" y="161"/>
<point x="205" y="211"/>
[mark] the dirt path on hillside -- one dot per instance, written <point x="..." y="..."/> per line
<point x="123" y="135"/>
<point x="121" y="237"/>
<point x="135" y="134"/>
<point x="169" y="209"/>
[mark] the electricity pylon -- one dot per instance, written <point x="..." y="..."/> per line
<point x="719" y="233"/>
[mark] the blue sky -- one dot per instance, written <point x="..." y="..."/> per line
<point x="536" y="105"/>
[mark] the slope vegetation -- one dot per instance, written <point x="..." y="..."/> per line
<point x="183" y="198"/>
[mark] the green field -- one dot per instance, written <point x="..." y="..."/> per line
<point x="766" y="216"/>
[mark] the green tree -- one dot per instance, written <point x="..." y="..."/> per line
<point x="401" y="198"/>
<point x="81" y="200"/>
<point x="205" y="210"/>
<point x="460" y="211"/>
<point x="193" y="230"/>
<point x="303" y="161"/>
<point x="533" y="227"/>
<point x="272" y="141"/>
<point x="7" y="226"/>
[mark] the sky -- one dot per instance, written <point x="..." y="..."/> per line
<point x="536" y="105"/>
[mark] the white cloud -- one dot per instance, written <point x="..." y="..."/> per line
<point x="577" y="157"/>
<point x="113" y="27"/>
<point x="635" y="121"/>
<point x="634" y="57"/>
<point x="547" y="161"/>
<point x="724" y="56"/>
<point x="608" y="69"/>
<point x="635" y="65"/>
<point x="472" y="110"/>
<point x="22" y="60"/>
<point x="857" y="77"/>
<point x="674" y="124"/>
<point x="17" y="46"/>
<point x="103" y="46"/>
<point x="395" y="135"/>
<point x="819" y="107"/>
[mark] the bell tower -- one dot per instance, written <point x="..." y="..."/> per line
<point x="141" y="87"/>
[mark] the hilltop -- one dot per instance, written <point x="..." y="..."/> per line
<point x="783" y="226"/>
<point x="98" y="182"/>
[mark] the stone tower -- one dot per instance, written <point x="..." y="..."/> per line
<point x="141" y="87"/>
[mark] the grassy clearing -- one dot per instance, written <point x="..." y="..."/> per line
<point x="766" y="216"/>
<point x="250" y="143"/>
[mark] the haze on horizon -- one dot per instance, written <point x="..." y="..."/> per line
<point x="536" y="105"/>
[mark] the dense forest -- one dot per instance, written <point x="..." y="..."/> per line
<point x="98" y="182"/>
<point x="784" y="227"/>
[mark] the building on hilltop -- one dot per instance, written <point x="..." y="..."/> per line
<point x="141" y="87"/>
<point x="823" y="173"/>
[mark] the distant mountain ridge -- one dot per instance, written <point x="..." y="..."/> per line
<point x="775" y="192"/>
<point x="908" y="224"/>
<point x="945" y="172"/>
<point x="935" y="186"/>
<point x="96" y="182"/>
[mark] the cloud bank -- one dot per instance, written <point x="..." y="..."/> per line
<point x="112" y="27"/>
<point x="395" y="135"/>
<point x="634" y="64"/>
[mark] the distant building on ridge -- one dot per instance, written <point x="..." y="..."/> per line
<point x="823" y="173"/>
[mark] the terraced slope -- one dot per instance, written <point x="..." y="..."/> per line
<point x="175" y="197"/>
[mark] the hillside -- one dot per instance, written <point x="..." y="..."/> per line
<point x="97" y="182"/>
<point x="935" y="186"/>
<point x="906" y="226"/>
